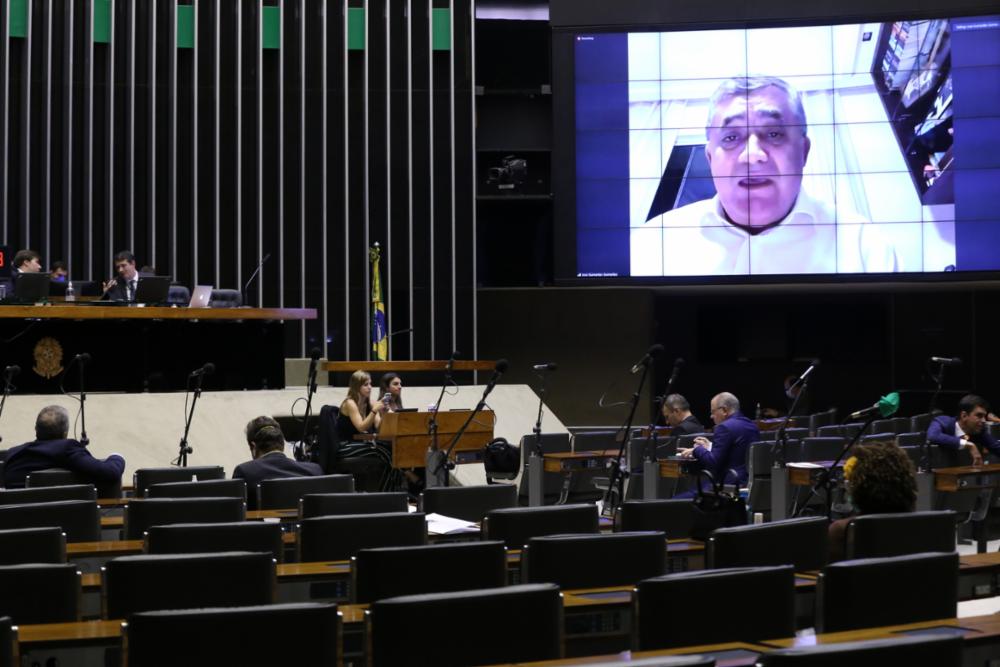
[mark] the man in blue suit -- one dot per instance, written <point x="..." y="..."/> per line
<point x="267" y="446"/>
<point x="967" y="431"/>
<point x="51" y="449"/>
<point x="730" y="442"/>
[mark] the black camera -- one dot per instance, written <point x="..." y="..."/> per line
<point x="511" y="173"/>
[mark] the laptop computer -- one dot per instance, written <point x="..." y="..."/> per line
<point x="201" y="296"/>
<point x="152" y="289"/>
<point x="31" y="287"/>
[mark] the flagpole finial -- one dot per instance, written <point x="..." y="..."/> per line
<point x="374" y="253"/>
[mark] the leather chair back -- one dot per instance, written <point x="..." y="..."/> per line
<point x="433" y="568"/>
<point x="32" y="545"/>
<point x="63" y="477"/>
<point x="78" y="519"/>
<point x="329" y="504"/>
<point x="8" y="634"/>
<point x="146" y="512"/>
<point x="531" y="628"/>
<point x="236" y="636"/>
<point x="801" y="543"/>
<point x="186" y="538"/>
<point x="186" y="581"/>
<point x="516" y="525"/>
<point x="285" y="492"/>
<point x="340" y="537"/>
<point x="552" y="443"/>
<point x="209" y="488"/>
<point x="710" y="607"/>
<point x="143" y="478"/>
<point x="675" y="517"/>
<point x="47" y="494"/>
<point x="881" y="535"/>
<point x="40" y="593"/>
<point x="594" y="561"/>
<point x="469" y="503"/>
<point x="870" y="592"/>
<point x="927" y="650"/>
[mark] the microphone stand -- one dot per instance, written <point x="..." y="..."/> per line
<point x="185" y="448"/>
<point x="617" y="474"/>
<point x="825" y="478"/>
<point x="7" y="381"/>
<point x="253" y="275"/>
<point x="84" y="440"/>
<point x="448" y="464"/>
<point x="779" y="449"/>
<point x="306" y="443"/>
<point x="925" y="454"/>
<point x="432" y="428"/>
<point x="537" y="430"/>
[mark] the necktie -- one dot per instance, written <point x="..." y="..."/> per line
<point x="131" y="290"/>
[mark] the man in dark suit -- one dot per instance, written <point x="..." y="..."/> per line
<point x="967" y="431"/>
<point x="730" y="441"/>
<point x="27" y="261"/>
<point x="677" y="413"/>
<point x="51" y="449"/>
<point x="124" y="286"/>
<point x="267" y="446"/>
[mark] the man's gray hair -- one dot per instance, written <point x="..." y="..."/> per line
<point x="727" y="402"/>
<point x="746" y="85"/>
<point x="676" y="402"/>
<point x="52" y="423"/>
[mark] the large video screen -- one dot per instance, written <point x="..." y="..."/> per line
<point x="867" y="148"/>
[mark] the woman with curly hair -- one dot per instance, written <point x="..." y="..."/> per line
<point x="880" y="478"/>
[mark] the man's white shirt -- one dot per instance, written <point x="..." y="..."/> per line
<point x="697" y="240"/>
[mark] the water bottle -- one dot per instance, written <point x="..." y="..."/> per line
<point x="70" y="294"/>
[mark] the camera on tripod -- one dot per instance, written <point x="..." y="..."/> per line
<point x="511" y="173"/>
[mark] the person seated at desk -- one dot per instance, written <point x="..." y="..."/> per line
<point x="267" y="447"/>
<point x="52" y="449"/>
<point x="967" y="431"/>
<point x="27" y="261"/>
<point x="370" y="462"/>
<point x="391" y="391"/>
<point x="727" y="452"/>
<point x="677" y="413"/>
<point x="880" y="478"/>
<point x="359" y="413"/>
<point x="123" y="287"/>
<point x="58" y="272"/>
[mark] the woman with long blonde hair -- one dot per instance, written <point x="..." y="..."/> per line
<point x="359" y="413"/>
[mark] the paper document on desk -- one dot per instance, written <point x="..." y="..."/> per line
<point x="439" y="524"/>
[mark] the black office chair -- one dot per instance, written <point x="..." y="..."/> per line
<point x="588" y="441"/>
<point x="516" y="525"/>
<point x="340" y="537"/>
<point x="594" y="561"/>
<point x="920" y="423"/>
<point x="818" y="419"/>
<point x="532" y="627"/>
<point x="285" y="492"/>
<point x="915" y="439"/>
<point x="674" y="517"/>
<point x="132" y="584"/>
<point x="32" y="545"/>
<point x="329" y="504"/>
<point x="676" y="609"/>
<point x="870" y="592"/>
<point x="236" y="636"/>
<point x="47" y="494"/>
<point x="817" y="449"/>
<point x="884" y="426"/>
<point x="886" y="437"/>
<point x="143" y="478"/>
<point x="760" y="461"/>
<point x="225" y="298"/>
<point x="179" y="295"/>
<point x="882" y="535"/>
<point x="146" y="512"/>
<point x="552" y="443"/>
<point x="40" y="593"/>
<point x="62" y="477"/>
<point x="433" y="568"/>
<point x="801" y="543"/>
<point x="185" y="538"/>
<point x="918" y="651"/>
<point x="78" y="519"/>
<point x="469" y="503"/>
<point x="210" y="488"/>
<point x="8" y="637"/>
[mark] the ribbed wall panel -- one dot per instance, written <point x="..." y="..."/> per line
<point x="206" y="158"/>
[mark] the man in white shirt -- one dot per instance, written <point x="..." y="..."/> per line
<point x="761" y="220"/>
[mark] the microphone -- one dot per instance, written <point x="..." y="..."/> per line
<point x="315" y="354"/>
<point x="544" y="367"/>
<point x="253" y="275"/>
<point x="207" y="369"/>
<point x="498" y="370"/>
<point x="678" y="365"/>
<point x="11" y="371"/>
<point x="947" y="361"/>
<point x="451" y="362"/>
<point x="83" y="358"/>
<point x="805" y="374"/>
<point x="886" y="407"/>
<point x="653" y="351"/>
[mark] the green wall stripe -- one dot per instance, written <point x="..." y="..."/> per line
<point x="102" y="21"/>
<point x="185" y="26"/>
<point x="441" y="21"/>
<point x="18" y="18"/>
<point x="271" y="28"/>
<point x="356" y="28"/>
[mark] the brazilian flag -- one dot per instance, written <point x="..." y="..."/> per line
<point x="380" y="341"/>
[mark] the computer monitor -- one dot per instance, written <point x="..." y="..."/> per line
<point x="31" y="287"/>
<point x="152" y="289"/>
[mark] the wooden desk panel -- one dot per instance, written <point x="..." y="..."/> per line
<point x="90" y="312"/>
<point x="569" y="461"/>
<point x="961" y="478"/>
<point x="407" y="366"/>
<point x="408" y="433"/>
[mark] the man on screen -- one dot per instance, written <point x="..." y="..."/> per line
<point x="761" y="220"/>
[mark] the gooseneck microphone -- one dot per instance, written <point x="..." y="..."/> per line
<point x="886" y="407"/>
<point x="10" y="371"/>
<point x="260" y="265"/>
<point x="947" y="361"/>
<point x="207" y="369"/>
<point x="550" y="366"/>
<point x="805" y="374"/>
<point x="652" y="352"/>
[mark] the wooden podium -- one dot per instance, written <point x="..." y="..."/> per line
<point x="408" y="433"/>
